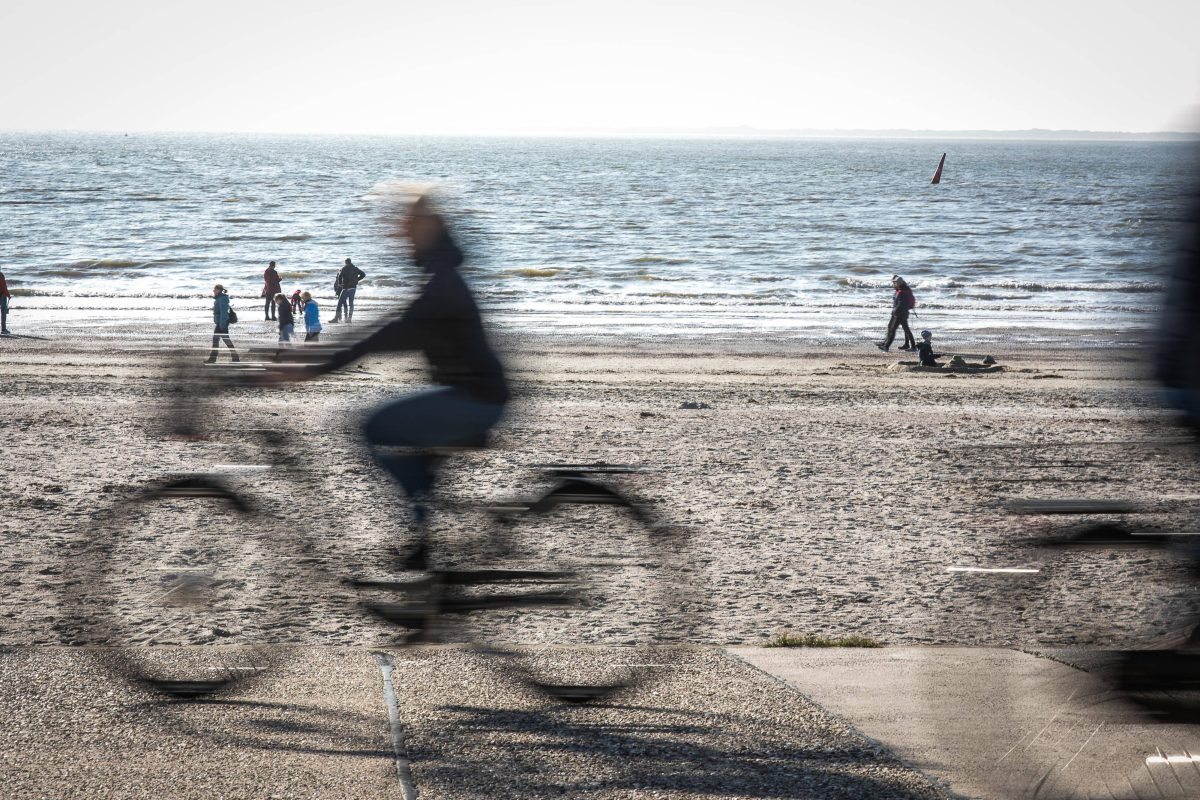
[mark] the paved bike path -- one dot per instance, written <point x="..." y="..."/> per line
<point x="987" y="722"/>
<point x="317" y="728"/>
<point x="711" y="728"/>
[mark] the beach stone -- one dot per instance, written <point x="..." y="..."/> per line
<point x="695" y="405"/>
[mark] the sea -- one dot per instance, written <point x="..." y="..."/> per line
<point x="706" y="238"/>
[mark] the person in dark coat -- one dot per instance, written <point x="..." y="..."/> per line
<point x="444" y="323"/>
<point x="925" y="352"/>
<point x="271" y="287"/>
<point x="287" y="323"/>
<point x="903" y="301"/>
<point x="348" y="279"/>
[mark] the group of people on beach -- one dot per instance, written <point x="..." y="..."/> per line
<point x="277" y="307"/>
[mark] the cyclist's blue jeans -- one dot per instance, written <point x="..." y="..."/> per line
<point x="442" y="417"/>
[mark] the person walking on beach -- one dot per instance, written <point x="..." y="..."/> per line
<point x="312" y="318"/>
<point x="221" y="321"/>
<point x="903" y="301"/>
<point x="287" y="323"/>
<point x="271" y="287"/>
<point x="4" y="298"/>
<point x="349" y="277"/>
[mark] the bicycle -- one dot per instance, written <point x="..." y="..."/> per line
<point x="191" y="585"/>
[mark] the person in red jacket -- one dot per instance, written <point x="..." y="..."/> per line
<point x="4" y="296"/>
<point x="271" y="288"/>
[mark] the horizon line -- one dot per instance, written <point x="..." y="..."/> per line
<point x="732" y="131"/>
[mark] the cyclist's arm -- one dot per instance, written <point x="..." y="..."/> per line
<point x="398" y="335"/>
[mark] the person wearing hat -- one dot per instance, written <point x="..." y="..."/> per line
<point x="349" y="277"/>
<point x="925" y="350"/>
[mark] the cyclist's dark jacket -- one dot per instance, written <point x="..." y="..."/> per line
<point x="444" y="323"/>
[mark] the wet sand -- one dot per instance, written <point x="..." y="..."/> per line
<point x="822" y="493"/>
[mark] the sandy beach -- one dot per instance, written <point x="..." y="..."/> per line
<point x="822" y="492"/>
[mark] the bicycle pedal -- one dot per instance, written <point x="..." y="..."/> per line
<point x="406" y="615"/>
<point x="418" y="584"/>
<point x="465" y="605"/>
<point x="473" y="577"/>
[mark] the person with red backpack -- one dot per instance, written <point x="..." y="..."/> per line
<point x="903" y="301"/>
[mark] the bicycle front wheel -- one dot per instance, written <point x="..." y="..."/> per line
<point x="176" y="590"/>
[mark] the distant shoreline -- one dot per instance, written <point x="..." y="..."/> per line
<point x="1030" y="135"/>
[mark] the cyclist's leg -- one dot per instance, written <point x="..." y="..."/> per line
<point x="436" y="418"/>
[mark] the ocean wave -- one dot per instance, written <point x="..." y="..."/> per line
<point x="246" y="220"/>
<point x="89" y="267"/>
<point x="533" y="272"/>
<point x="658" y="260"/>
<point x="290" y="237"/>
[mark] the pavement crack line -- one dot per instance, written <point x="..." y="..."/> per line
<point x="403" y="771"/>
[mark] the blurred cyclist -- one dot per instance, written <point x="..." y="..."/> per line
<point x="444" y="323"/>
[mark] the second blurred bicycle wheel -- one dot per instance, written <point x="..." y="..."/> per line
<point x="582" y="595"/>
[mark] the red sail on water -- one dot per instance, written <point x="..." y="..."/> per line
<point x="937" y="176"/>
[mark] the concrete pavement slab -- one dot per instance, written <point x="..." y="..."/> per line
<point x="995" y="723"/>
<point x="314" y="727"/>
<point x="318" y="727"/>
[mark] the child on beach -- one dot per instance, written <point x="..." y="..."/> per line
<point x="925" y="350"/>
<point x="287" y="322"/>
<point x="312" y="318"/>
<point x="297" y="302"/>
<point x="4" y="297"/>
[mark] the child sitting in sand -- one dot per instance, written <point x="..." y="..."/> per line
<point x="925" y="350"/>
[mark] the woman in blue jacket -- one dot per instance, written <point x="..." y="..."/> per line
<point x="221" y="321"/>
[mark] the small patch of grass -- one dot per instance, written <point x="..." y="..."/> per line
<point x="788" y="639"/>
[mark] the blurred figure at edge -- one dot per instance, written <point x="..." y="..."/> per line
<point x="4" y="298"/>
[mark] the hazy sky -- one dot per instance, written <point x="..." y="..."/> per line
<point x="477" y="66"/>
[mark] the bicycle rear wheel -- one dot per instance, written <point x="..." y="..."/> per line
<point x="588" y="601"/>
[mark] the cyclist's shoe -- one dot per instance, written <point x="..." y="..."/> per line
<point x="417" y="560"/>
